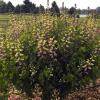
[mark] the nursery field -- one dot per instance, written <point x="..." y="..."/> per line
<point x="44" y="57"/>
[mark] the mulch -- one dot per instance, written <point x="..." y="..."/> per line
<point x="90" y="93"/>
<point x="87" y="94"/>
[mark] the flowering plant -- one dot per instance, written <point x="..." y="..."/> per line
<point x="55" y="52"/>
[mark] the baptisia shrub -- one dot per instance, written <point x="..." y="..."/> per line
<point x="58" y="53"/>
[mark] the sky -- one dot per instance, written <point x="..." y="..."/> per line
<point x="82" y="4"/>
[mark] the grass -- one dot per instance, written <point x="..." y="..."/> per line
<point x="4" y="17"/>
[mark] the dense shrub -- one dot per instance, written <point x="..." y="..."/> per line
<point x="55" y="52"/>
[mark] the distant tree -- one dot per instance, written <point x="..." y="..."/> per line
<point x="22" y="8"/>
<point x="2" y="6"/>
<point x="33" y="8"/>
<point x="36" y="10"/>
<point x="18" y="9"/>
<point x="10" y="7"/>
<point x="1" y="2"/>
<point x="72" y="11"/>
<point x="78" y="11"/>
<point x="55" y="9"/>
<point x="97" y="15"/>
<point x="88" y="10"/>
<point x="66" y="10"/>
<point x="27" y="6"/>
<point x="41" y="9"/>
<point x="98" y="10"/>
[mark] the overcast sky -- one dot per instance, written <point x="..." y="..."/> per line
<point x="83" y="4"/>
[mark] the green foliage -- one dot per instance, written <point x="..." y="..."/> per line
<point x="54" y="52"/>
<point x="55" y="9"/>
<point x="72" y="11"/>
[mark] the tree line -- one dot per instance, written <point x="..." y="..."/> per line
<point x="29" y="7"/>
<point x="26" y="7"/>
